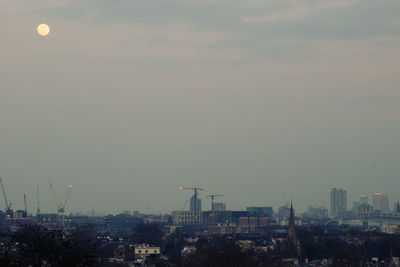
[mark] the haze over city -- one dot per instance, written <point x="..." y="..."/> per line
<point x="268" y="101"/>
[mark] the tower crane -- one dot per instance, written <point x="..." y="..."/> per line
<point x="25" y="206"/>
<point x="37" y="201"/>
<point x="184" y="206"/>
<point x="61" y="203"/>
<point x="212" y="199"/>
<point x="195" y="189"/>
<point x="8" y="205"/>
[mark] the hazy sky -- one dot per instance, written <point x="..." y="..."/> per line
<point x="266" y="100"/>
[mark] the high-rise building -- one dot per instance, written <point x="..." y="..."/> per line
<point x="338" y="202"/>
<point x="219" y="206"/>
<point x="386" y="203"/>
<point x="316" y="212"/>
<point x="363" y="199"/>
<point x="268" y="211"/>
<point x="284" y="212"/>
<point x="380" y="202"/>
<point x="396" y="206"/>
<point x="355" y="205"/>
<point x="195" y="203"/>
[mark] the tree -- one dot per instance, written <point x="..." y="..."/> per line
<point x="149" y="233"/>
<point x="37" y="246"/>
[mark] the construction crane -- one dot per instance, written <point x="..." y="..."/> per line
<point x="184" y="206"/>
<point x="37" y="201"/>
<point x="26" y="208"/>
<point x="195" y="189"/>
<point x="8" y="205"/>
<point x="212" y="199"/>
<point x="61" y="203"/>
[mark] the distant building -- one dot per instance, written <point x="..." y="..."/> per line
<point x="250" y="222"/>
<point x="219" y="206"/>
<point x="47" y="218"/>
<point x="223" y="229"/>
<point x="363" y="199"/>
<point x="396" y="206"/>
<point x="380" y="202"/>
<point x="363" y="210"/>
<point x="143" y="251"/>
<point x="195" y="203"/>
<point x="292" y="249"/>
<point x="126" y="212"/>
<point x="390" y="229"/>
<point x="316" y="212"/>
<point x="355" y="206"/>
<point x="229" y="217"/>
<point x="187" y="250"/>
<point x="338" y="202"/>
<point x="267" y="211"/>
<point x="183" y="217"/>
<point x="20" y="214"/>
<point x="283" y="214"/>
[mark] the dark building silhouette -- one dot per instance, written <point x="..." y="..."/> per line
<point x="268" y="211"/>
<point x="195" y="203"/>
<point x="338" y="202"/>
<point x="292" y="243"/>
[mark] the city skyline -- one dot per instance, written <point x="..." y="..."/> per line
<point x="266" y="100"/>
<point x="48" y="202"/>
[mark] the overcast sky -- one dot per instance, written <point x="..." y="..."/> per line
<point x="266" y="100"/>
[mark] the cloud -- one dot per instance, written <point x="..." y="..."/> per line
<point x="296" y="10"/>
<point x="221" y="30"/>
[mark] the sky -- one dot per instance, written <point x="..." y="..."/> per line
<point x="268" y="101"/>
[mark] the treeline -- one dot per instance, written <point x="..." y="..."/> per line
<point x="37" y="246"/>
<point x="350" y="247"/>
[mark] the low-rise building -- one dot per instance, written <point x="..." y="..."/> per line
<point x="390" y="229"/>
<point x="184" y="217"/>
<point x="145" y="250"/>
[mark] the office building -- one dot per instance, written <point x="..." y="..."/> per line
<point x="219" y="206"/>
<point x="355" y="205"/>
<point x="195" y="203"/>
<point x="229" y="217"/>
<point x="183" y="217"/>
<point x="363" y="199"/>
<point x="316" y="212"/>
<point x="338" y="202"/>
<point x="267" y="211"/>
<point x="396" y="206"/>
<point x="380" y="202"/>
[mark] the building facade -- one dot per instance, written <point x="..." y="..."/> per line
<point x="145" y="250"/>
<point x="338" y="202"/>
<point x="184" y="217"/>
<point x="363" y="199"/>
<point x="195" y="203"/>
<point x="267" y="211"/>
<point x="380" y="202"/>
<point x="219" y="206"/>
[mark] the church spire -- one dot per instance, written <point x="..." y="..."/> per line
<point x="293" y="244"/>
